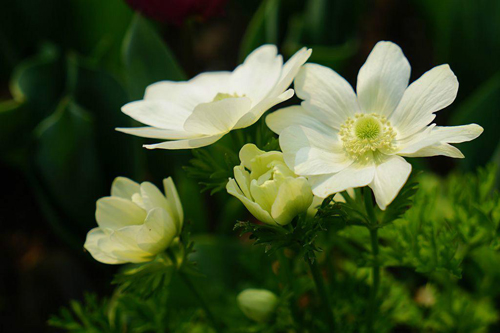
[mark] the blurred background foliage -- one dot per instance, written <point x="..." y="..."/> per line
<point x="67" y="66"/>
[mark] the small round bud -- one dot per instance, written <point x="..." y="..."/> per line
<point x="257" y="304"/>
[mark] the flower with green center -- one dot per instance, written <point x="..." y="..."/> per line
<point x="268" y="188"/>
<point x="339" y="139"/>
<point x="135" y="223"/>
<point x="202" y="110"/>
<point x="258" y="304"/>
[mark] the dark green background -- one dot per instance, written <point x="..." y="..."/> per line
<point x="67" y="66"/>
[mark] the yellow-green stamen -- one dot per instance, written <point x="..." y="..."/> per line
<point x="366" y="133"/>
<point x="221" y="96"/>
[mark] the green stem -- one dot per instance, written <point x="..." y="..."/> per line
<point x="376" y="280"/>
<point x="322" y="293"/>
<point x="367" y="194"/>
<point x="201" y="300"/>
<point x="373" y="227"/>
<point x="187" y="281"/>
<point x="287" y="277"/>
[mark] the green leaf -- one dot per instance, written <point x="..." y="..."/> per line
<point x="457" y="311"/>
<point x="91" y="315"/>
<point x="101" y="94"/>
<point x="335" y="56"/>
<point x="329" y="23"/>
<point x="316" y="17"/>
<point x="65" y="160"/>
<point x="99" y="26"/>
<point x="401" y="203"/>
<point x="146" y="58"/>
<point x="262" y="29"/>
<point x="449" y="219"/>
<point x="144" y="280"/>
<point x="39" y="82"/>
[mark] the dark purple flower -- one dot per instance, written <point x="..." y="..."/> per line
<point x="177" y="11"/>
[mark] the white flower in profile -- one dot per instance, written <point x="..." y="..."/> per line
<point x="339" y="140"/>
<point x="198" y="112"/>
<point x="135" y="223"/>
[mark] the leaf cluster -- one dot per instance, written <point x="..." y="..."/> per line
<point x="91" y="315"/>
<point x="451" y="218"/>
<point x="300" y="234"/>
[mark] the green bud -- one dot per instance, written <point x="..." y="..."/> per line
<point x="268" y="188"/>
<point x="257" y="304"/>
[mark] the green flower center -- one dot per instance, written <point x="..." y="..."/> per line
<point x="366" y="133"/>
<point x="367" y="128"/>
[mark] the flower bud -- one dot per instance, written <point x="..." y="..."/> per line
<point x="268" y="188"/>
<point x="257" y="304"/>
<point x="135" y="223"/>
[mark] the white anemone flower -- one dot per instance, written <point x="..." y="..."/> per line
<point x="135" y="223"/>
<point x="339" y="139"/>
<point x="198" y="112"/>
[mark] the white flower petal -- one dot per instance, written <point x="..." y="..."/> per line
<point x="200" y="89"/>
<point x="217" y="117"/>
<point x="260" y="214"/>
<point x="314" y="161"/>
<point x="122" y="243"/>
<point x="152" y="197"/>
<point x="383" y="79"/>
<point x="442" y="149"/>
<point x="294" y="115"/>
<point x="258" y="74"/>
<point x="433" y="91"/>
<point x="158" y="113"/>
<point x="294" y="197"/>
<point x="157" y="133"/>
<point x="308" y="152"/>
<point x="91" y="245"/>
<point x="186" y="144"/>
<point x="125" y="188"/>
<point x="174" y="202"/>
<point x="436" y="135"/>
<point x="290" y="70"/>
<point x="390" y="176"/>
<point x="256" y="112"/>
<point x="356" y="175"/>
<point x="157" y="232"/>
<point x="326" y="94"/>
<point x="115" y="212"/>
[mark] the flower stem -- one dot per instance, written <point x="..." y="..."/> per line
<point x="322" y="293"/>
<point x="373" y="227"/>
<point x="187" y="281"/>
<point x="201" y="300"/>
<point x="367" y="193"/>
<point x="373" y="310"/>
<point x="287" y="278"/>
